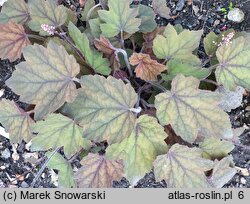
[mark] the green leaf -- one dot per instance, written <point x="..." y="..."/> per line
<point x="173" y="45"/>
<point x="46" y="12"/>
<point x="87" y="6"/>
<point x="45" y="78"/>
<point x="182" y="167"/>
<point x="191" y="111"/>
<point x="212" y="41"/>
<point x="119" y="18"/>
<point x="94" y="25"/>
<point x="97" y="172"/>
<point x="65" y="175"/>
<point x="14" y="10"/>
<point x="140" y="149"/>
<point x="234" y="65"/>
<point x="147" y="16"/>
<point x="108" y="116"/>
<point x="216" y="148"/>
<point x="188" y="67"/>
<point x="223" y="172"/>
<point x="93" y="57"/>
<point x="58" y="130"/>
<point x="16" y="121"/>
<point x="160" y="8"/>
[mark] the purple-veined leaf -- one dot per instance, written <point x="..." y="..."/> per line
<point x="190" y="110"/>
<point x="45" y="78"/>
<point x="97" y="172"/>
<point x="106" y="117"/>
<point x="58" y="130"/>
<point x="140" y="149"/>
<point x="16" y="121"/>
<point x="14" y="10"/>
<point x="12" y="40"/>
<point x="182" y="167"/>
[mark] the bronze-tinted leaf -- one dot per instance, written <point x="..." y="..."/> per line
<point x="16" y="121"/>
<point x="97" y="172"/>
<point x="45" y="78"/>
<point x="146" y="69"/>
<point x="12" y="40"/>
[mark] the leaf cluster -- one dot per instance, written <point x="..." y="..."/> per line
<point x="134" y="96"/>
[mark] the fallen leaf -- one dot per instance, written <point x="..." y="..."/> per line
<point x="12" y="40"/>
<point x="146" y="69"/>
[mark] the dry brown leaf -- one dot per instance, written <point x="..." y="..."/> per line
<point x="147" y="68"/>
<point x="105" y="46"/>
<point x="12" y="40"/>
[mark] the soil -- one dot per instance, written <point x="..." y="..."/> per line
<point x="16" y="170"/>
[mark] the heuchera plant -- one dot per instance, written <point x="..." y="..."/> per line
<point x="133" y="95"/>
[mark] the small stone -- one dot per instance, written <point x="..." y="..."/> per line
<point x="2" y="167"/>
<point x="236" y="15"/>
<point x="24" y="185"/>
<point x="243" y="180"/>
<point x="15" y="156"/>
<point x="1" y="93"/>
<point x="247" y="108"/>
<point x="6" y="154"/>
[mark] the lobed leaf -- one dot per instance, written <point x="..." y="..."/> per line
<point x="45" y="78"/>
<point x="146" y="69"/>
<point x="216" y="148"/>
<point x="46" y="12"/>
<point x="16" y="121"/>
<point x="234" y="67"/>
<point x="14" y="10"/>
<point x="93" y="58"/>
<point x="147" y="16"/>
<point x="12" y="40"/>
<point x="140" y="149"/>
<point x="188" y="67"/>
<point x="119" y="18"/>
<point x="160" y="8"/>
<point x="182" y="167"/>
<point x="190" y="110"/>
<point x="173" y="45"/>
<point x="223" y="172"/>
<point x="97" y="172"/>
<point x="66" y="174"/>
<point x="231" y="99"/>
<point x="58" y="130"/>
<point x="108" y="116"/>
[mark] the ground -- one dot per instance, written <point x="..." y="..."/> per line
<point x="18" y="166"/>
